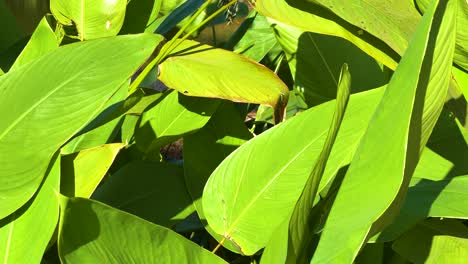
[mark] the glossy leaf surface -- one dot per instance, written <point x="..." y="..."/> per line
<point x="376" y="180"/>
<point x="45" y="117"/>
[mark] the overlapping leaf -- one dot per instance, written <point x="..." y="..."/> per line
<point x="93" y="19"/>
<point x="300" y="231"/>
<point x="376" y="180"/>
<point x="256" y="187"/>
<point x="91" y="232"/>
<point x="37" y="219"/>
<point x="197" y="70"/>
<point x="82" y="172"/>
<point x="47" y="101"/>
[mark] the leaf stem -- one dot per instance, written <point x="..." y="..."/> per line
<point x="219" y="245"/>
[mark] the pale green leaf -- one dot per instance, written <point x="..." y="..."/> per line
<point x="47" y="101"/>
<point x="24" y="235"/>
<point x="82" y="172"/>
<point x="201" y="70"/>
<point x="461" y="49"/>
<point x="322" y="21"/>
<point x="42" y="41"/>
<point x="93" y="19"/>
<point x="91" y="232"/>
<point x="376" y="180"/>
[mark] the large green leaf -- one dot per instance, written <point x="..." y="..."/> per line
<point x="82" y="172"/>
<point x="254" y="38"/>
<point x="91" y="232"/>
<point x="207" y="148"/>
<point x="99" y="132"/>
<point x="256" y="187"/>
<point x="139" y="15"/>
<point x="392" y="21"/>
<point x="323" y="21"/>
<point x="201" y="70"/>
<point x="24" y="235"/>
<point x="300" y="231"/>
<point x="461" y="48"/>
<point x="435" y="241"/>
<point x="93" y="19"/>
<point x="48" y="100"/>
<point x="315" y="61"/>
<point x="377" y="180"/>
<point x="42" y="41"/>
<point x="445" y="198"/>
<point x="172" y="117"/>
<point x="151" y="190"/>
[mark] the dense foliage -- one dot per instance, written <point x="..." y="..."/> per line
<point x="267" y="131"/>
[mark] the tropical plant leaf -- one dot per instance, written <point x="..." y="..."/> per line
<point x="315" y="61"/>
<point x="42" y="41"/>
<point x="434" y="241"/>
<point x="256" y="187"/>
<point x="83" y="171"/>
<point x="392" y="21"/>
<point x="300" y="231"/>
<point x="139" y="15"/>
<point x="151" y="190"/>
<point x="207" y="148"/>
<point x="174" y="116"/>
<point x="323" y="21"/>
<point x="376" y="181"/>
<point x="44" y="117"/>
<point x="196" y="70"/>
<point x="99" y="132"/>
<point x="90" y="232"/>
<point x="92" y="19"/>
<point x="36" y="219"/>
<point x="254" y="38"/>
<point x="461" y="49"/>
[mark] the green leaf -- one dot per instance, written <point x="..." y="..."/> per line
<point x="461" y="49"/>
<point x="83" y="171"/>
<point x="256" y="187"/>
<point x="461" y="78"/>
<point x="53" y="98"/>
<point x="139" y="15"/>
<point x="151" y="190"/>
<point x="92" y="19"/>
<point x="319" y="20"/>
<point x="42" y="41"/>
<point x="377" y="180"/>
<point x="173" y="116"/>
<point x="99" y="132"/>
<point x="426" y="198"/>
<point x="315" y="61"/>
<point x="300" y="231"/>
<point x="91" y="232"/>
<point x="207" y="148"/>
<point x="434" y="241"/>
<point x="197" y="70"/>
<point x="254" y="38"/>
<point x="37" y="219"/>
<point x="11" y="33"/>
<point x="392" y="21"/>
<point x="128" y="128"/>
